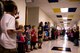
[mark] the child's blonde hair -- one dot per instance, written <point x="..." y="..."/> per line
<point x="20" y="26"/>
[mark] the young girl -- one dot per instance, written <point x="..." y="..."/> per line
<point x="27" y="37"/>
<point x="33" y="38"/>
<point x="46" y="30"/>
<point x="20" y="40"/>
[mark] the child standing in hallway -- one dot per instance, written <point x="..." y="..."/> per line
<point x="46" y="30"/>
<point x="40" y="35"/>
<point x="27" y="37"/>
<point x="33" y="38"/>
<point x="56" y="34"/>
<point x="20" y="40"/>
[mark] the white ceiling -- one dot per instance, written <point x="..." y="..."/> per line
<point x="47" y="8"/>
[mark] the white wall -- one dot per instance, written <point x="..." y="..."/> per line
<point x="79" y="25"/>
<point x="44" y="18"/>
<point x="21" y="8"/>
<point x="33" y="14"/>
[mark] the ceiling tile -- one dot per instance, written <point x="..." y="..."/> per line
<point x="61" y="21"/>
<point x="62" y="24"/>
<point x="59" y="16"/>
<point x="56" y="10"/>
<point x="69" y="19"/>
<point x="52" y="1"/>
<point x="74" y="0"/>
<point x="70" y="15"/>
<point x="72" y="9"/>
<point x="68" y="23"/>
<point x="63" y="10"/>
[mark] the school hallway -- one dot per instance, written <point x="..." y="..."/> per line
<point x="60" y="42"/>
<point x="40" y="20"/>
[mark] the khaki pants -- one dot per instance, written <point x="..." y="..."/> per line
<point x="3" y="50"/>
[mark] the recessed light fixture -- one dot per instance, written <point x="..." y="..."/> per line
<point x="64" y="18"/>
<point x="65" y="25"/>
<point x="65" y="22"/>
<point x="63" y="10"/>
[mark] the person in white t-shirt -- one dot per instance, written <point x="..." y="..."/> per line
<point x="8" y="36"/>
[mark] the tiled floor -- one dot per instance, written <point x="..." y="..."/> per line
<point x="48" y="45"/>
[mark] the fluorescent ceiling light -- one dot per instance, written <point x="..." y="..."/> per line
<point x="64" y="18"/>
<point x="65" y="25"/>
<point x="64" y="10"/>
<point x="28" y="1"/>
<point x="66" y="28"/>
<point x="65" y="22"/>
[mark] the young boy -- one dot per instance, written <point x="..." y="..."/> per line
<point x="40" y="35"/>
<point x="33" y="38"/>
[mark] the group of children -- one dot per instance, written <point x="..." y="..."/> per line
<point x="27" y="38"/>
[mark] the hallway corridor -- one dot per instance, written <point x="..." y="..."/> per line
<point x="48" y="45"/>
<point x="40" y="26"/>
